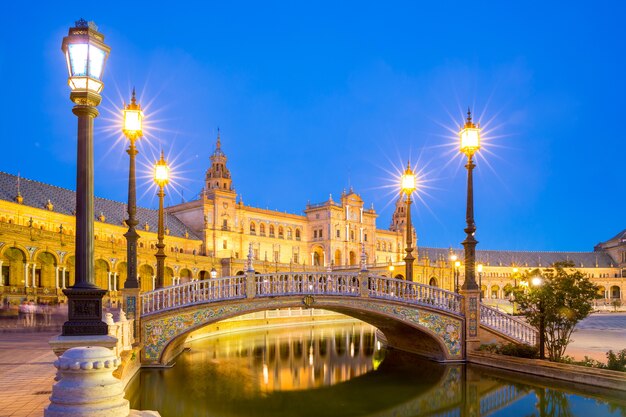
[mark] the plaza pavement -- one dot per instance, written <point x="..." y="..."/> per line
<point x="27" y="373"/>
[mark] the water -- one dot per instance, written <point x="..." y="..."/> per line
<point x="343" y="370"/>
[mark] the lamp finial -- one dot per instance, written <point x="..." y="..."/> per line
<point x="133" y="100"/>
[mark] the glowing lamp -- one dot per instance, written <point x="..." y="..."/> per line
<point x="536" y="281"/>
<point x="407" y="182"/>
<point x="479" y="268"/>
<point x="515" y="270"/>
<point x="133" y="117"/>
<point x="453" y="258"/>
<point x="85" y="54"/>
<point x="457" y="264"/>
<point x="161" y="172"/>
<point x="470" y="136"/>
<point x="213" y="273"/>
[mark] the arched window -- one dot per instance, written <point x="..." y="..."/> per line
<point x="262" y="229"/>
<point x="297" y="234"/>
<point x="281" y="233"/>
<point x="271" y="230"/>
<point x="252" y="228"/>
<point x="289" y="233"/>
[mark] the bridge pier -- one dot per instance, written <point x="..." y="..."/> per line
<point x="470" y="308"/>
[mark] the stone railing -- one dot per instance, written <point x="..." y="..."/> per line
<point x="499" y="398"/>
<point x="122" y="330"/>
<point x="303" y="283"/>
<point x="510" y="326"/>
<point x="195" y="292"/>
<point x="414" y="293"/>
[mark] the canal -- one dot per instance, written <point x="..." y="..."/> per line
<point x="344" y="370"/>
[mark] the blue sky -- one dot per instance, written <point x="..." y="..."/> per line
<point x="314" y="98"/>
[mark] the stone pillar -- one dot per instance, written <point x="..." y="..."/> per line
<point x="1" y="277"/>
<point x="115" y="281"/>
<point x="87" y="386"/>
<point x="26" y="266"/>
<point x="109" y="281"/>
<point x="56" y="277"/>
<point x="470" y="307"/>
<point x="153" y="282"/>
<point x="250" y="284"/>
<point x="64" y="284"/>
<point x="34" y="275"/>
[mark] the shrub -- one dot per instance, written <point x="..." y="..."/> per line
<point x="511" y="349"/>
<point x="616" y="361"/>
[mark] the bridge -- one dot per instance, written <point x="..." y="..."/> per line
<point x="414" y="317"/>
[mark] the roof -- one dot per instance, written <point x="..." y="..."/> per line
<point x="524" y="258"/>
<point x="36" y="194"/>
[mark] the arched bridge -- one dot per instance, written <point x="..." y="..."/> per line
<point x="414" y="317"/>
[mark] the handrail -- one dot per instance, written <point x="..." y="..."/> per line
<point x="508" y="325"/>
<point x="414" y="293"/>
<point x="195" y="292"/>
<point x="304" y="283"/>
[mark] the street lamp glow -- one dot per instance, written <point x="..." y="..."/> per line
<point x="133" y="118"/>
<point x="213" y="273"/>
<point x="408" y="181"/>
<point x="536" y="281"/>
<point x="85" y="55"/>
<point x="479" y="268"/>
<point x="457" y="264"/>
<point x="470" y="136"/>
<point x="161" y="172"/>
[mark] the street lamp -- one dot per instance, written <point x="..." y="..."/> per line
<point x="479" y="269"/>
<point x="86" y="55"/>
<point x="457" y="265"/>
<point x="161" y="178"/>
<point x="408" y="185"/>
<point x="132" y="129"/>
<point x="213" y="273"/>
<point x="537" y="282"/>
<point x="470" y="144"/>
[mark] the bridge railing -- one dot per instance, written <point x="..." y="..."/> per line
<point x="508" y="325"/>
<point x="196" y="292"/>
<point x="303" y="283"/>
<point x="414" y="293"/>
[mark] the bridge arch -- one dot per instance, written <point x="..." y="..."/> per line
<point x="421" y="330"/>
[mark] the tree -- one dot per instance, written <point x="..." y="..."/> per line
<point x="559" y="297"/>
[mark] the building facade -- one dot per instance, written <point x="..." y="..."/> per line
<point x="218" y="231"/>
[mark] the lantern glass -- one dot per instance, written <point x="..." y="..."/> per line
<point x="161" y="173"/>
<point x="470" y="140"/>
<point x="132" y="122"/>
<point x="213" y="273"/>
<point x="86" y="55"/>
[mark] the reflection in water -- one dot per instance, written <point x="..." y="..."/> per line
<point x="331" y="371"/>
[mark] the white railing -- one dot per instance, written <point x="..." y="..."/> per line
<point x="196" y="292"/>
<point x="510" y="326"/>
<point x="303" y="283"/>
<point x="414" y="293"/>
<point x="499" y="398"/>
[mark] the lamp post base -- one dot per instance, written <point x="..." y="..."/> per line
<point x="84" y="310"/>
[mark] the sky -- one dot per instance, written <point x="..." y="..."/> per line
<point x="317" y="97"/>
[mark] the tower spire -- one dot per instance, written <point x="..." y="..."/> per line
<point x="218" y="145"/>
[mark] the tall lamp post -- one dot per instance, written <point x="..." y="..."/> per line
<point x="537" y="282"/>
<point x="407" y="187"/>
<point x="161" y="178"/>
<point x="479" y="269"/>
<point x="470" y="144"/>
<point x="132" y="129"/>
<point x="86" y="55"/>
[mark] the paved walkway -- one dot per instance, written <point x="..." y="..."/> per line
<point x="598" y="334"/>
<point x="26" y="373"/>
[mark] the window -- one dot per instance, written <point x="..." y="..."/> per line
<point x="297" y="234"/>
<point x="225" y="224"/>
<point x="224" y="244"/>
<point x="295" y="258"/>
<point x="365" y="237"/>
<point x="289" y="233"/>
<point x="280" y="232"/>
<point x="352" y="235"/>
<point x="276" y="256"/>
<point x="320" y="233"/>
<point x="252" y="228"/>
<point x="271" y="230"/>
<point x="338" y="233"/>
<point x="314" y="234"/>
<point x="262" y="229"/>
